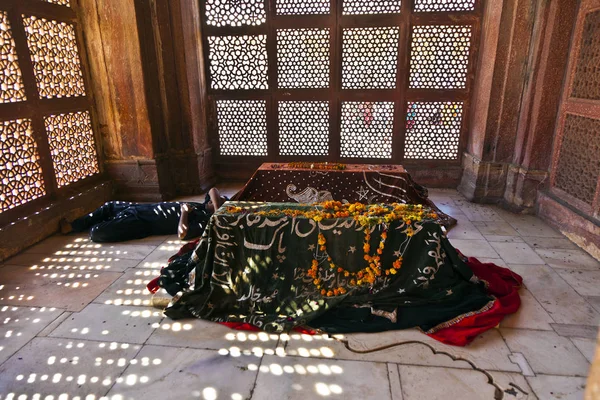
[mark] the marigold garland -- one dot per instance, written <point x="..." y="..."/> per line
<point x="365" y="215"/>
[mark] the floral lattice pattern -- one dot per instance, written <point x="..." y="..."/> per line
<point x="444" y="5"/>
<point x="72" y="146"/>
<point x="369" y="58"/>
<point x="304" y="128"/>
<point x="303" y="58"/>
<point x="11" y="80"/>
<point x="242" y="126"/>
<point x="433" y="130"/>
<point x="439" y="56"/>
<point x="353" y="7"/>
<point x="302" y="7"/>
<point x="55" y="58"/>
<point x="235" y="12"/>
<point x="366" y="129"/>
<point x="586" y="80"/>
<point x="20" y="172"/>
<point x="238" y="62"/>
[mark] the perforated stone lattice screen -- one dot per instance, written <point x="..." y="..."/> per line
<point x="55" y="57"/>
<point x="578" y="165"/>
<point x="242" y="127"/>
<point x="238" y="62"/>
<point x="20" y="172"/>
<point x="235" y="12"/>
<point x="302" y="7"/>
<point x="439" y="57"/>
<point x="366" y="129"/>
<point x="444" y="5"/>
<point x="303" y="128"/>
<point x="369" y="58"/>
<point x="303" y="58"/>
<point x="433" y="130"/>
<point x="355" y="7"/>
<point x="72" y="146"/>
<point x="11" y="80"/>
<point x="586" y="81"/>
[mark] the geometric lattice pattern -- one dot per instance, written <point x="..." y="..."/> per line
<point x="353" y="7"/>
<point x="303" y="128"/>
<point x="72" y="146"/>
<point x="242" y="126"/>
<point x="433" y="130"/>
<point x="578" y="165"/>
<point x="586" y="80"/>
<point x="439" y="56"/>
<point x="366" y="129"/>
<point x="60" y="2"/>
<point x="369" y="58"/>
<point x="303" y="58"/>
<point x="11" y="80"/>
<point x="55" y="58"/>
<point x="20" y="172"/>
<point x="302" y="7"/>
<point x="235" y="12"/>
<point x="238" y="62"/>
<point x="444" y="5"/>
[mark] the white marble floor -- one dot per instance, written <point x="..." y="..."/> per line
<point x="77" y="325"/>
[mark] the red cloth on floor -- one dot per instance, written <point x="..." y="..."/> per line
<point x="502" y="284"/>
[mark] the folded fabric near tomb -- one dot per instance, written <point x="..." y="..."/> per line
<point x="337" y="268"/>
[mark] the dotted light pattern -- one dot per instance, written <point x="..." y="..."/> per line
<point x="578" y="166"/>
<point x="11" y="80"/>
<point x="444" y="5"/>
<point x="60" y="2"/>
<point x="433" y="130"/>
<point x="72" y="146"/>
<point x="369" y="58"/>
<point x="55" y="58"/>
<point x="355" y="7"/>
<point x="586" y="81"/>
<point x="235" y="12"/>
<point x="439" y="56"/>
<point x="303" y="128"/>
<point x="302" y="7"/>
<point x="303" y="58"/>
<point x="238" y="62"/>
<point x="366" y="130"/>
<point x="20" y="173"/>
<point x="242" y="126"/>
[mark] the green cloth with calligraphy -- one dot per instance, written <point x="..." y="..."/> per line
<point x="253" y="264"/>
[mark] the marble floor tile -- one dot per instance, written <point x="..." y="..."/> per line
<point x="516" y="253"/>
<point x="56" y="263"/>
<point x="549" y="243"/>
<point x="395" y="384"/>
<point x="178" y="373"/>
<point x="298" y="378"/>
<point x="531" y="315"/>
<point x="464" y="229"/>
<point x="557" y="297"/>
<point x="474" y="248"/>
<point x="59" y="368"/>
<point x="478" y="212"/>
<point x="160" y="256"/>
<point x="58" y="242"/>
<point x="496" y="228"/>
<point x="586" y="283"/>
<point x="505" y="239"/>
<point x="498" y="261"/>
<point x="201" y="334"/>
<point x="71" y="290"/>
<point x="110" y="323"/>
<point x="594" y="301"/>
<point x="549" y="387"/>
<point x="488" y="350"/>
<point x="20" y="325"/>
<point x="528" y="225"/>
<point x="580" y="331"/>
<point x="569" y="259"/>
<point x="587" y="347"/>
<point x="448" y="383"/>
<point x="130" y="289"/>
<point x="546" y="352"/>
